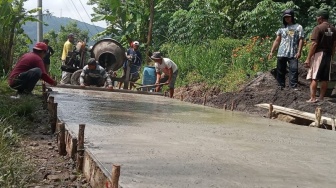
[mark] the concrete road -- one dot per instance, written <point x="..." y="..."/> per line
<point x="161" y="142"/>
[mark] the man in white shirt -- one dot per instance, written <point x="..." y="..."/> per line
<point x="169" y="70"/>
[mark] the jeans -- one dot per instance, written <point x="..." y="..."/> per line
<point x="282" y="69"/>
<point x="25" y="82"/>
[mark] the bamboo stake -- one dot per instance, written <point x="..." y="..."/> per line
<point x="80" y="148"/>
<point x="270" y="110"/>
<point x="115" y="176"/>
<point x="61" y="139"/>
<point x="318" y="115"/>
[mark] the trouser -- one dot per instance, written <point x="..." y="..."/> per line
<point x="25" y="82"/>
<point x="94" y="81"/>
<point x="66" y="77"/>
<point x="282" y="69"/>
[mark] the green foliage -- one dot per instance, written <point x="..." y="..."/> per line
<point x="12" y="17"/>
<point x="15" y="119"/>
<point x="208" y="62"/>
<point x="264" y="19"/>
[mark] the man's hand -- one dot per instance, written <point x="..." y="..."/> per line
<point x="110" y="88"/>
<point x="167" y="83"/>
<point x="307" y="63"/>
<point x="297" y="56"/>
<point x="270" y="56"/>
<point x="82" y="86"/>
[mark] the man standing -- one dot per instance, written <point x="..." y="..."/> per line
<point x="290" y="42"/>
<point x="46" y="59"/>
<point x="68" y="47"/>
<point x="94" y="74"/>
<point x="29" y="69"/>
<point x="134" y="60"/>
<point x="169" y="69"/>
<point x="322" y="49"/>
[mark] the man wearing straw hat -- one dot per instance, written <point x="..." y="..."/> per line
<point x="169" y="70"/>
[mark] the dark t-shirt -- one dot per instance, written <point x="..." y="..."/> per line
<point x="137" y="59"/>
<point x="46" y="58"/>
<point x="324" y="35"/>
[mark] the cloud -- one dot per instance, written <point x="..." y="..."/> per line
<point x="67" y="8"/>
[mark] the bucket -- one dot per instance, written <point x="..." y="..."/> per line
<point x="149" y="76"/>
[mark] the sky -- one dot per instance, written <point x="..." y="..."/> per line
<point x="66" y="8"/>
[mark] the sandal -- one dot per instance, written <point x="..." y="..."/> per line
<point x="312" y="101"/>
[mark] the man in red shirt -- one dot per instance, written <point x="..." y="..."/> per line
<point x="29" y="69"/>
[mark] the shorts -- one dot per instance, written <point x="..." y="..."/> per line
<point x="320" y="67"/>
<point x="172" y="81"/>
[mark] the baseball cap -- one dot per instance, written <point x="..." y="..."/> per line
<point x="323" y="13"/>
<point x="136" y="43"/>
<point x="40" y="46"/>
<point x="288" y="12"/>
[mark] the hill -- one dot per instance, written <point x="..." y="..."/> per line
<point x="55" y="23"/>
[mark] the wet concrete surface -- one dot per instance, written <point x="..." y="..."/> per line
<point x="162" y="142"/>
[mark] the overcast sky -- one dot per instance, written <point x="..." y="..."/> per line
<point x="66" y="8"/>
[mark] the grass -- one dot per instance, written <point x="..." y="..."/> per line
<point x="16" y="119"/>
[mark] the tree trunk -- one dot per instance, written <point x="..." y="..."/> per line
<point x="150" y="29"/>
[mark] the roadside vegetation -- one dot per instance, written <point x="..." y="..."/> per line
<point x="17" y="117"/>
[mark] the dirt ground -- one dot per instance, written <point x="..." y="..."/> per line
<point x="261" y="89"/>
<point x="51" y="170"/>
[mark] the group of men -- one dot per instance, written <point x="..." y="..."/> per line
<point x="34" y="66"/>
<point x="289" y="42"/>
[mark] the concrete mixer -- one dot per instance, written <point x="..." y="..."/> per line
<point x="109" y="53"/>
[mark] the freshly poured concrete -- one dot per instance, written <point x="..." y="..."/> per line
<point x="162" y="142"/>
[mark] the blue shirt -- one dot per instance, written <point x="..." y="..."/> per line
<point x="137" y="59"/>
<point x="290" y="37"/>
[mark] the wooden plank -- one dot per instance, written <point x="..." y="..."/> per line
<point x="296" y="113"/>
<point x="106" y="89"/>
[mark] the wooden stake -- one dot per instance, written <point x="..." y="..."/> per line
<point x="61" y="139"/>
<point x="181" y="97"/>
<point x="53" y="121"/>
<point x="318" y="115"/>
<point x="50" y="101"/>
<point x="45" y="100"/>
<point x="232" y="105"/>
<point x="44" y="87"/>
<point x="270" y="112"/>
<point x="115" y="176"/>
<point x="224" y="106"/>
<point x="333" y="124"/>
<point x="80" y="148"/>
<point x="204" y="100"/>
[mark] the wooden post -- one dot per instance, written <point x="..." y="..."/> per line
<point x="232" y="105"/>
<point x="53" y="121"/>
<point x="80" y="148"/>
<point x="45" y="100"/>
<point x="270" y="110"/>
<point x="44" y="87"/>
<point x="318" y="115"/>
<point x="61" y="139"/>
<point x="51" y="101"/>
<point x="115" y="176"/>
<point x="204" y="100"/>
<point x="181" y="97"/>
<point x="224" y="106"/>
<point x="333" y="124"/>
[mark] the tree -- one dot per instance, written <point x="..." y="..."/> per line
<point x="12" y="17"/>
